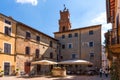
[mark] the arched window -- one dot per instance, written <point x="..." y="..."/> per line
<point x="63" y="29"/>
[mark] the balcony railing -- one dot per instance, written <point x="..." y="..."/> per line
<point x="112" y="37"/>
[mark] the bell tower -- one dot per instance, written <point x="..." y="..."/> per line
<point x="64" y="22"/>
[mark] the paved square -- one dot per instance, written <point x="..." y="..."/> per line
<point x="69" y="77"/>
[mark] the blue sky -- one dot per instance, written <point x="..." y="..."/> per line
<point x="44" y="14"/>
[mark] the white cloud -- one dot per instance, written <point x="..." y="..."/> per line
<point x="33" y="2"/>
<point x="101" y="19"/>
<point x="105" y="28"/>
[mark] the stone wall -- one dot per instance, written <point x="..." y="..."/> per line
<point x="80" y="44"/>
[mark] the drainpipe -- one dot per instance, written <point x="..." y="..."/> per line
<point x="15" y="44"/>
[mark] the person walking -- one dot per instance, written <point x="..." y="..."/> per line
<point x="106" y="73"/>
<point x="100" y="71"/>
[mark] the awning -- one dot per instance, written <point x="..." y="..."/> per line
<point x="44" y="62"/>
<point x="82" y="62"/>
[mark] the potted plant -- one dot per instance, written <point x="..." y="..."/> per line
<point x="16" y="73"/>
<point x="1" y="73"/>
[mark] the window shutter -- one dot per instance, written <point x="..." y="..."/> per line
<point x="9" y="31"/>
<point x="5" y="48"/>
<point x="6" y="30"/>
<point x="38" y="38"/>
<point x="37" y="53"/>
<point x="9" y="48"/>
<point x="27" y="50"/>
<point x="28" y="35"/>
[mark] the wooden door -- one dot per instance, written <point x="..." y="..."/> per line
<point x="27" y="67"/>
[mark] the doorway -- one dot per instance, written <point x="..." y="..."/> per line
<point x="6" y="68"/>
<point x="38" y="69"/>
<point x="27" y="67"/>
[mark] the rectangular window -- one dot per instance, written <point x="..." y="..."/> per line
<point x="91" y="32"/>
<point x="51" y="55"/>
<point x="37" y="53"/>
<point x="7" y="48"/>
<point x="37" y="38"/>
<point x="63" y="46"/>
<point x="63" y="36"/>
<point x="76" y="34"/>
<point x="27" y="50"/>
<point x="7" y="30"/>
<point x="70" y="45"/>
<point x="7" y="22"/>
<point x="69" y="35"/>
<point x="28" y="35"/>
<point x="73" y="56"/>
<point x="91" y="55"/>
<point x="91" y="44"/>
<point x="61" y="57"/>
<point x="51" y="44"/>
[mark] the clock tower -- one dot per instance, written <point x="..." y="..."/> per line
<point x="64" y="22"/>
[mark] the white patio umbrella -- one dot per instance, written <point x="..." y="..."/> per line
<point x="44" y="62"/>
<point x="84" y="62"/>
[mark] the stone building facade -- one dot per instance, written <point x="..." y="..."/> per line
<point x="81" y="43"/>
<point x="20" y="45"/>
<point x="105" y="62"/>
<point x="35" y="46"/>
<point x="7" y="44"/>
<point x="113" y="37"/>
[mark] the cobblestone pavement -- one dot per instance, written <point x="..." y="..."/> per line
<point x="70" y="77"/>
